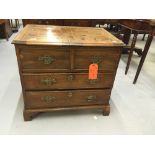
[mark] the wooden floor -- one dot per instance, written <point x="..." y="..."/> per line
<point x="132" y="106"/>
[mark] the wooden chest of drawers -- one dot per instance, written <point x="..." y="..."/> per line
<point x="54" y="67"/>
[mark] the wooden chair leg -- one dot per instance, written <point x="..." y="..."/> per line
<point x="131" y="52"/>
<point x="17" y="22"/>
<point x="146" y="48"/>
<point x="126" y="38"/>
<point x="143" y="37"/>
<point x="11" y="23"/>
<point x="5" y="31"/>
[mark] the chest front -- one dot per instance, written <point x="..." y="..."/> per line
<point x="57" y="77"/>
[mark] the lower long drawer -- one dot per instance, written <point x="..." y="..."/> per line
<point x="49" y="99"/>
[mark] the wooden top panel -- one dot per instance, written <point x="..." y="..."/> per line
<point x="65" y="35"/>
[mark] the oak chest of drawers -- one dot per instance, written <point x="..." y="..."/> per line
<point x="54" y="67"/>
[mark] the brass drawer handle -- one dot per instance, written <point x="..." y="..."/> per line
<point x="91" y="98"/>
<point x="93" y="82"/>
<point x="48" y="81"/>
<point x="46" y="59"/>
<point x="48" y="99"/>
<point x="70" y="94"/>
<point x="70" y="77"/>
<point x="96" y="59"/>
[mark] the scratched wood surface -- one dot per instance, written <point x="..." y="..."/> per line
<point x="65" y="35"/>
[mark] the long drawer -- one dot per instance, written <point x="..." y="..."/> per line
<point x="49" y="99"/>
<point x="46" y="81"/>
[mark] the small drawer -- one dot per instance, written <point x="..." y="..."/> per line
<point x="42" y="59"/>
<point x="106" y="58"/>
<point x="46" y="81"/>
<point x="50" y="99"/>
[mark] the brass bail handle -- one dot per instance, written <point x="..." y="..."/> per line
<point x="48" y="81"/>
<point x="70" y="94"/>
<point x="71" y="77"/>
<point x="46" y="59"/>
<point x="91" y="98"/>
<point x="48" y="99"/>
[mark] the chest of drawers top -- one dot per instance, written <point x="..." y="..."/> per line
<point x="65" y="35"/>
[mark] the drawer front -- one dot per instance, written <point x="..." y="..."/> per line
<point x="45" y="59"/>
<point x="106" y="58"/>
<point x="77" y="22"/>
<point x="49" y="99"/>
<point x="66" y="81"/>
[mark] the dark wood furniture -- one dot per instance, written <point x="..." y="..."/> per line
<point x="144" y="36"/>
<point x="71" y="22"/>
<point x="54" y="67"/>
<point x="43" y="21"/>
<point x="138" y="26"/>
<point x="151" y="33"/>
<point x="127" y="30"/>
<point x="14" y="25"/>
<point x="5" y="29"/>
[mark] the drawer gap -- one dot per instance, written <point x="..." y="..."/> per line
<point x="67" y="108"/>
<point x="43" y="90"/>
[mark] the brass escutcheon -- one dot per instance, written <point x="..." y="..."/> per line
<point x="70" y="77"/>
<point x="96" y="59"/>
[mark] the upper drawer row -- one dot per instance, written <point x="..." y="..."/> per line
<point x="58" y="59"/>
